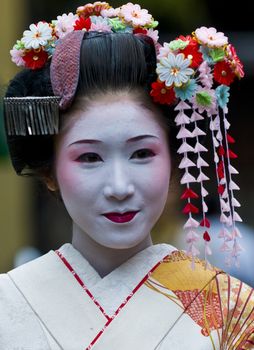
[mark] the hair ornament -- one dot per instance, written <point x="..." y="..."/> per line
<point x="31" y="115"/>
<point x="38" y="43"/>
<point x="59" y="41"/>
<point x="194" y="75"/>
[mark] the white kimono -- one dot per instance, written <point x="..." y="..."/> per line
<point x="152" y="301"/>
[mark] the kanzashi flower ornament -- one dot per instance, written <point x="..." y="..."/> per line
<point x="38" y="43"/>
<point x="194" y="75"/>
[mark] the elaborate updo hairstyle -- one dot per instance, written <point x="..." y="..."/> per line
<point x="109" y="62"/>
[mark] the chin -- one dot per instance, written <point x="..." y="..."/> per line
<point x="122" y="244"/>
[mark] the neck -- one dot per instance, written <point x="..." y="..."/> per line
<point x="103" y="259"/>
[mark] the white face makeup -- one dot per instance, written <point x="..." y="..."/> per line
<point x="121" y="171"/>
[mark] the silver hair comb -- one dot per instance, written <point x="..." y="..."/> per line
<point x="31" y="115"/>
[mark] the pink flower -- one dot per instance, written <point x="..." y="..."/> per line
<point x="134" y="15"/>
<point x="65" y="24"/>
<point x="210" y="37"/>
<point x="205" y="75"/>
<point x="154" y="34"/>
<point x="17" y="57"/>
<point x="164" y="51"/>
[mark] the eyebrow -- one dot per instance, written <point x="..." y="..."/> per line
<point x="133" y="139"/>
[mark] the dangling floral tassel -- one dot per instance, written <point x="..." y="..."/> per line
<point x="199" y="148"/>
<point x="194" y="72"/>
<point x="192" y="236"/>
<point x="235" y="233"/>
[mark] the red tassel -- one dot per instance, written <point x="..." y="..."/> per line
<point x="205" y="223"/>
<point x="230" y="139"/>
<point x="190" y="208"/>
<point x="220" y="170"/>
<point x="188" y="193"/>
<point x="206" y="236"/>
<point x="221" y="151"/>
<point x="232" y="155"/>
<point x="221" y="189"/>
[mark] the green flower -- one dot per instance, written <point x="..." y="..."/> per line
<point x="203" y="98"/>
<point x="152" y="25"/>
<point x="178" y="44"/>
<point x="217" y="54"/>
<point x="116" y="24"/>
<point x="19" y="45"/>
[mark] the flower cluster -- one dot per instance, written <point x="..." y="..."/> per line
<point x="197" y="68"/>
<point x="38" y="43"/>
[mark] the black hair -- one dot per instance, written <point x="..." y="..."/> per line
<point x="108" y="62"/>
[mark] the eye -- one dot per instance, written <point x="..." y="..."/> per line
<point x="89" y="158"/>
<point x="143" y="153"/>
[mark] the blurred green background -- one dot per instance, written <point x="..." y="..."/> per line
<point x="31" y="217"/>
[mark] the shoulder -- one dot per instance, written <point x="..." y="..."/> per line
<point x="18" y="319"/>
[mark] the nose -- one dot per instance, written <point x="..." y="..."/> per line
<point x="119" y="184"/>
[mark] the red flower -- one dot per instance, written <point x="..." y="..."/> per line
<point x="223" y="73"/>
<point x="139" y="31"/>
<point x="191" y="51"/>
<point x="162" y="94"/>
<point x="82" y="23"/>
<point x="235" y="62"/>
<point x="35" y="59"/>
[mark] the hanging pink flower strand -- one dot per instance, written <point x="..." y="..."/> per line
<point x="198" y="69"/>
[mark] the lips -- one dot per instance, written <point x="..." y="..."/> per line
<point x="121" y="218"/>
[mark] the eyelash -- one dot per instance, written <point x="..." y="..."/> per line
<point x="83" y="157"/>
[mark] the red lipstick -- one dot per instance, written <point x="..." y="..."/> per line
<point x="121" y="218"/>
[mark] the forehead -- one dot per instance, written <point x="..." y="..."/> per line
<point x="122" y="118"/>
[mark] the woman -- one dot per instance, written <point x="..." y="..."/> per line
<point x="109" y="161"/>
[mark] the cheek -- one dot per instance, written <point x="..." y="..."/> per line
<point x="156" y="181"/>
<point x="67" y="176"/>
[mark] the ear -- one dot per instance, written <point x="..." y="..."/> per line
<point x="51" y="184"/>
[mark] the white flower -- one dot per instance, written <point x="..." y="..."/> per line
<point x="65" y="24"/>
<point x="111" y="12"/>
<point x="38" y="35"/>
<point x="173" y="69"/>
<point x="210" y="37"/>
<point x="134" y="15"/>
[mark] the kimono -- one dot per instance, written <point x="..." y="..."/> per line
<point x="154" y="301"/>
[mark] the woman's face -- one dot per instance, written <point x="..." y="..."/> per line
<point x="113" y="157"/>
